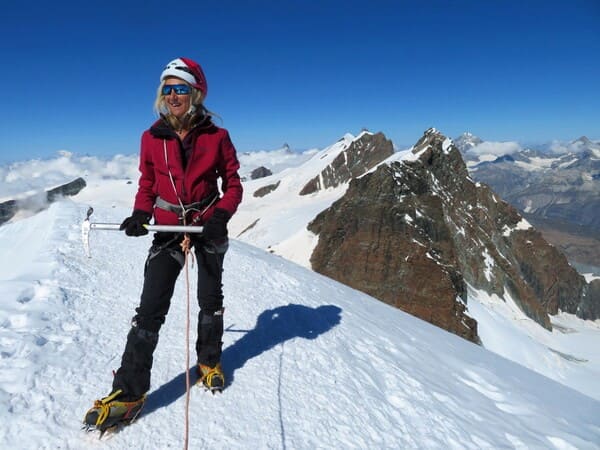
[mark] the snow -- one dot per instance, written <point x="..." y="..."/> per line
<point x="568" y="353"/>
<point x="489" y="265"/>
<point x="274" y="160"/>
<point x="536" y="163"/>
<point x="522" y="225"/>
<point x="310" y="362"/>
<point x="446" y="145"/>
<point x="315" y="365"/>
<point x="277" y="221"/>
<point x="590" y="276"/>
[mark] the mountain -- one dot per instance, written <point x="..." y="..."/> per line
<point x="358" y="157"/>
<point x="560" y="193"/>
<point x="422" y="218"/>
<point x="277" y="208"/>
<point x="429" y="213"/>
<point x="310" y="363"/>
<point x="417" y="232"/>
<point x="278" y="221"/>
<point x="465" y="142"/>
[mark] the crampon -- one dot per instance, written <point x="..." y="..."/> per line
<point x="211" y="378"/>
<point x="111" y="415"/>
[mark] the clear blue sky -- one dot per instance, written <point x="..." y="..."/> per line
<point x="84" y="78"/>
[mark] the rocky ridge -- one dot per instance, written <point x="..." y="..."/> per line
<point x="362" y="154"/>
<point x="417" y="231"/>
<point x="37" y="202"/>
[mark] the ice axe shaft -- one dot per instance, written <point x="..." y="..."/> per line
<point x="165" y="228"/>
<point x="86" y="226"/>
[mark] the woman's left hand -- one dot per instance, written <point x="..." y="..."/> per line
<point x="215" y="228"/>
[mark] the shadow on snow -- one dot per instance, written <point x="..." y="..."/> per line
<point x="273" y="327"/>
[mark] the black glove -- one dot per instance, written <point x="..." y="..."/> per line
<point x="215" y="228"/>
<point x="133" y="224"/>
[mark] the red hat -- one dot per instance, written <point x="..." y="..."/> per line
<point x="189" y="71"/>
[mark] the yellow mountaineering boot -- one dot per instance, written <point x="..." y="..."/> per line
<point x="211" y="377"/>
<point x="111" y="412"/>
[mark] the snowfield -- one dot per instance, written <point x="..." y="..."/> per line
<point x="310" y="363"/>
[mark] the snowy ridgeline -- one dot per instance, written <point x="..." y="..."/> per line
<point x="310" y="363"/>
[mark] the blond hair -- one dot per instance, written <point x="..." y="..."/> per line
<point x="197" y="109"/>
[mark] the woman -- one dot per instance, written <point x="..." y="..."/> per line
<point x="182" y="157"/>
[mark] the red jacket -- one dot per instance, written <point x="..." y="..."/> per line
<point x="213" y="156"/>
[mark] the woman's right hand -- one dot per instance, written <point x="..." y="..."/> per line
<point x="134" y="224"/>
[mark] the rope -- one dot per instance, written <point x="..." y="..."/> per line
<point x="185" y="246"/>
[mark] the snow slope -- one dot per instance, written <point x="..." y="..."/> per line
<point x="278" y="220"/>
<point x="310" y="363"/>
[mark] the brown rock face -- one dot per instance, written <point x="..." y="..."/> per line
<point x="413" y="233"/>
<point x="367" y="242"/>
<point x="265" y="190"/>
<point x="358" y="158"/>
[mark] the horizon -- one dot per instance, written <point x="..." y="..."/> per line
<point x="301" y="74"/>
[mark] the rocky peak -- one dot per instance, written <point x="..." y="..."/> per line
<point x="467" y="141"/>
<point x="415" y="232"/>
<point x="583" y="140"/>
<point x="360" y="156"/>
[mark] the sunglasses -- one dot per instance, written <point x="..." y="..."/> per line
<point x="180" y="89"/>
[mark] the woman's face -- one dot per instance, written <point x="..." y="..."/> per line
<point x="178" y="104"/>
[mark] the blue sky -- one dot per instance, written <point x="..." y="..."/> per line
<point x="83" y="79"/>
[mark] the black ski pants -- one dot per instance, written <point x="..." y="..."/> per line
<point x="163" y="265"/>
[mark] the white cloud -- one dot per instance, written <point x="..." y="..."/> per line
<point x="561" y="148"/>
<point x="496" y="148"/>
<point x="37" y="175"/>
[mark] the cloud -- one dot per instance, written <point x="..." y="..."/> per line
<point x="25" y="178"/>
<point x="577" y="146"/>
<point x="495" y="148"/>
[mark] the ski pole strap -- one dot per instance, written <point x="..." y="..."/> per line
<point x="177" y="209"/>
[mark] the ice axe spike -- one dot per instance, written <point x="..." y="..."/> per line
<point x="86" y="226"/>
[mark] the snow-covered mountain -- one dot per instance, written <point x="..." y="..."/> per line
<point x="277" y="222"/>
<point x="310" y="363"/>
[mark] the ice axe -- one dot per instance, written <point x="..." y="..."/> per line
<point x="86" y="226"/>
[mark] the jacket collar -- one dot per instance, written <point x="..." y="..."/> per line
<point x="162" y="130"/>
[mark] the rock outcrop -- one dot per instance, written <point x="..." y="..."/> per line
<point x="66" y="190"/>
<point x="265" y="190"/>
<point x="362" y="155"/>
<point x="36" y="202"/>
<point x="7" y="210"/>
<point x="414" y="232"/>
<point x="260" y="172"/>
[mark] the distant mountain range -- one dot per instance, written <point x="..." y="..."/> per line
<point x="557" y="187"/>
